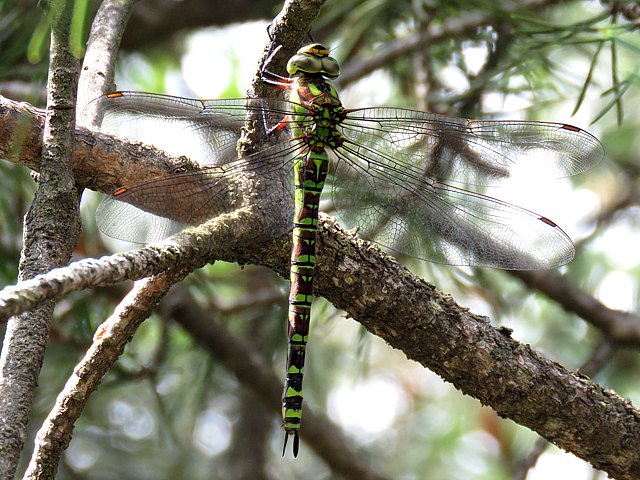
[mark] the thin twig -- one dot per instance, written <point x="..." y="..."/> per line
<point x="450" y="28"/>
<point x="98" y="68"/>
<point x="471" y="101"/>
<point x="108" y="344"/>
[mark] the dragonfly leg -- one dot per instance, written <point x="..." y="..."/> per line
<point x="273" y="78"/>
<point x="281" y="125"/>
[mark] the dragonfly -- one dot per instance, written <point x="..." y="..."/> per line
<point x="407" y="179"/>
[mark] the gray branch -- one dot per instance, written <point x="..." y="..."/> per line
<point x="430" y="328"/>
<point x="109" y="341"/>
<point x="51" y="230"/>
<point x="99" y="64"/>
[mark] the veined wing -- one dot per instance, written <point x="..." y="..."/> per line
<point x="204" y="130"/>
<point x="471" y="152"/>
<point x="387" y="182"/>
<point x="208" y="130"/>
<point x="442" y="223"/>
<point x="152" y="210"/>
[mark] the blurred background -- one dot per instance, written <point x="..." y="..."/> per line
<point x="170" y="410"/>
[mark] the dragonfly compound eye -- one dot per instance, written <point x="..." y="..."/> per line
<point x="330" y="67"/>
<point x="304" y="63"/>
<point x="310" y="63"/>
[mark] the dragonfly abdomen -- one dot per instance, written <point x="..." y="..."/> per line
<point x="310" y="174"/>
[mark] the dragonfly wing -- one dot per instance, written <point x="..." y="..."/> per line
<point x="123" y="221"/>
<point x="442" y="223"/>
<point x="473" y="152"/>
<point x="204" y="130"/>
<point x="154" y="209"/>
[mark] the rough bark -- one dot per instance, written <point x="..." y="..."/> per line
<point x="52" y="226"/>
<point x="566" y="408"/>
<point x="109" y="341"/>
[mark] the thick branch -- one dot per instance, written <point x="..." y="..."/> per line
<point x="99" y="161"/>
<point x="51" y="230"/>
<point x="102" y="163"/>
<point x="288" y="30"/>
<point x="463" y="348"/>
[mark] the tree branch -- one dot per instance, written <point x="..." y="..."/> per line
<point x="430" y="328"/>
<point x="597" y="360"/>
<point x="52" y="227"/>
<point x="109" y="341"/>
<point x="618" y="326"/>
<point x="99" y="161"/>
<point x="410" y="314"/>
<point x="99" y="65"/>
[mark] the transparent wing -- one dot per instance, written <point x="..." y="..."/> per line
<point x="124" y="221"/>
<point x="387" y="182"/>
<point x="154" y="209"/>
<point x="386" y="178"/>
<point x="206" y="131"/>
<point x="445" y="224"/>
<point x="472" y="152"/>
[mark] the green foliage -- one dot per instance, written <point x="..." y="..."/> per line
<point x="17" y="34"/>
<point x="13" y="179"/>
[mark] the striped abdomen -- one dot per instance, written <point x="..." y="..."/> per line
<point x="310" y="173"/>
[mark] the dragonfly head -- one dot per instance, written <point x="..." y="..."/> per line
<point x="313" y="59"/>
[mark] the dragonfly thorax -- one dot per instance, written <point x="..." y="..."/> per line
<point x="323" y="131"/>
<point x="318" y="112"/>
